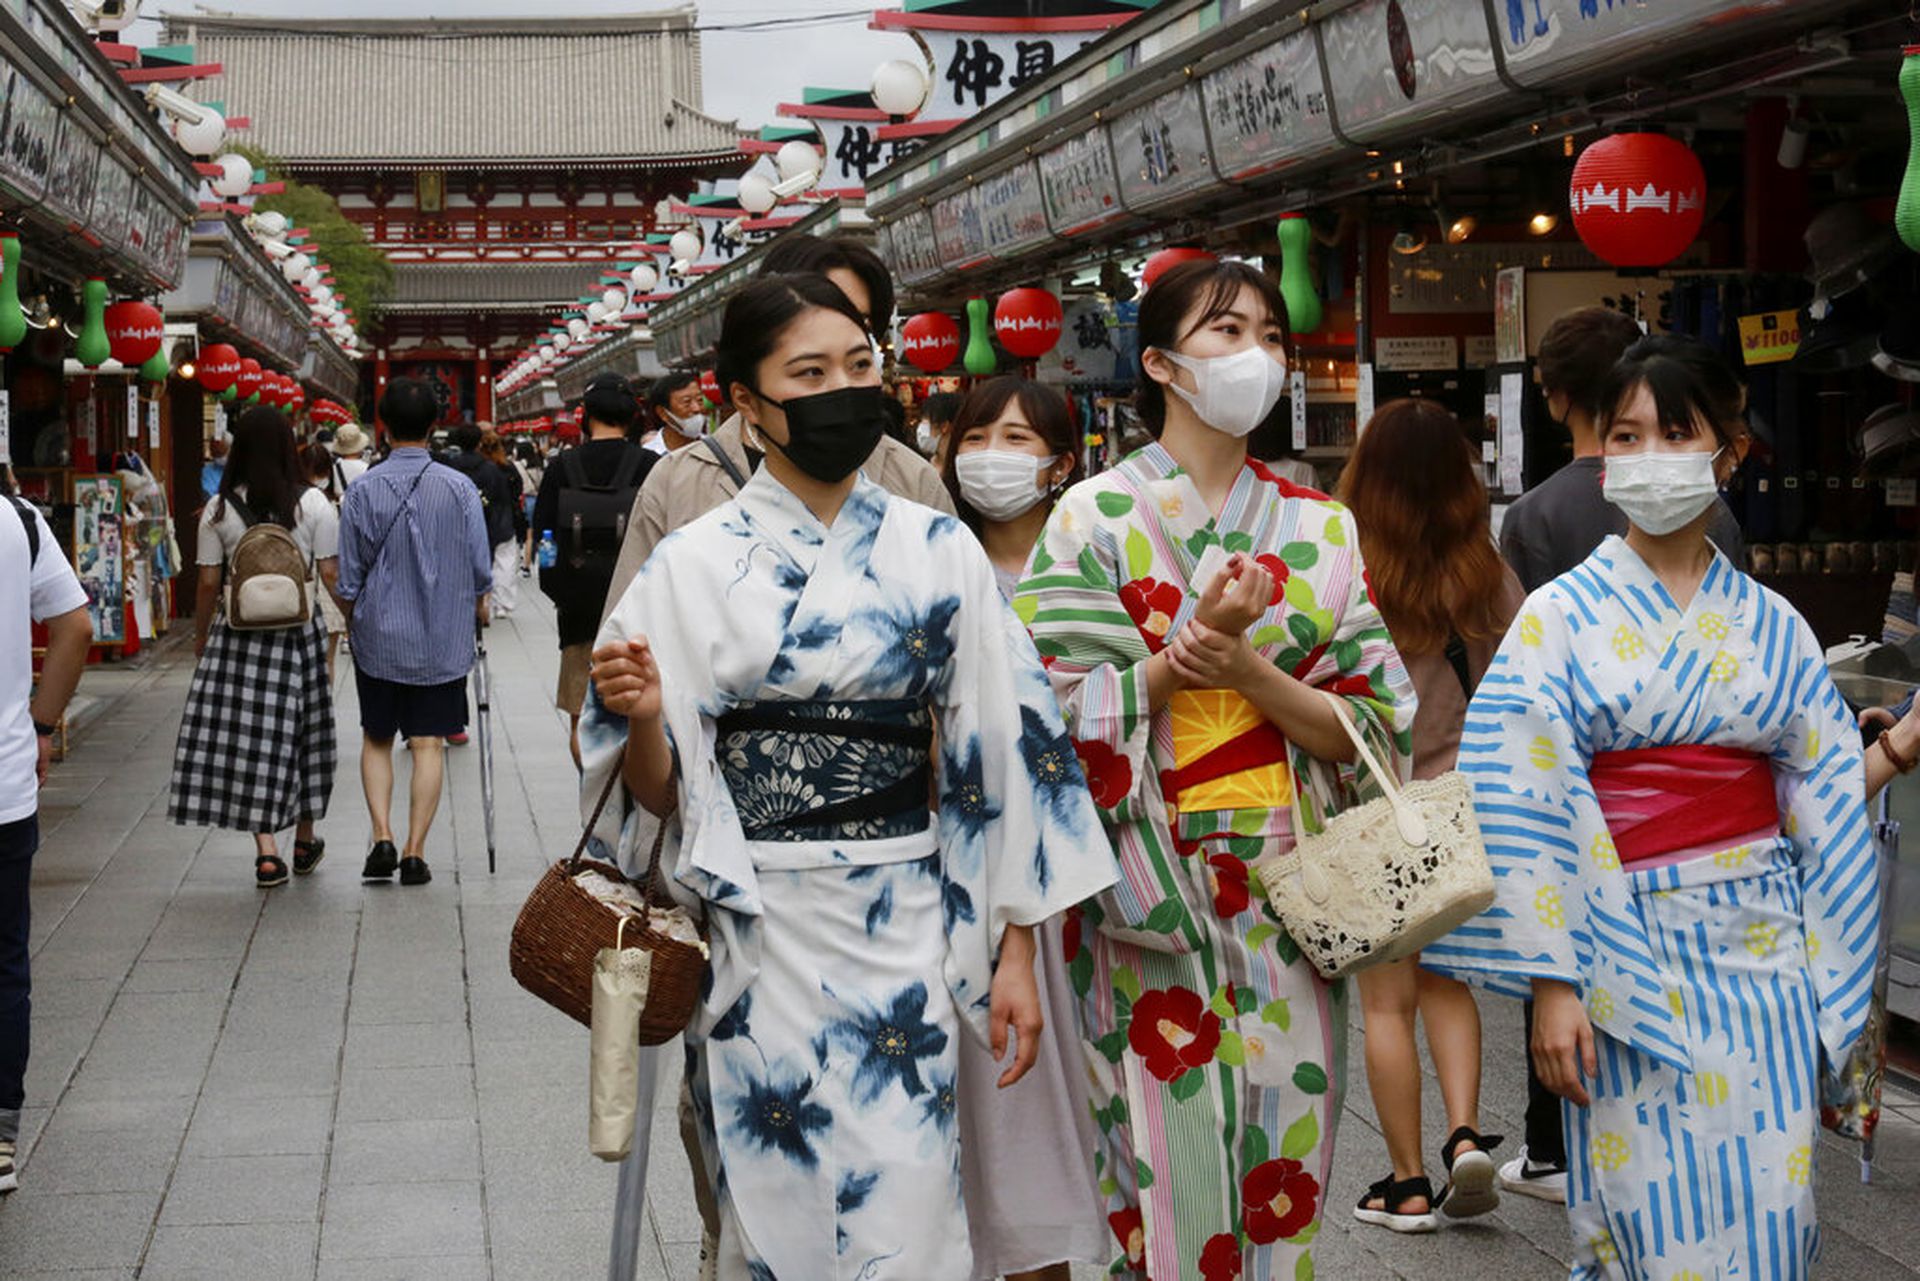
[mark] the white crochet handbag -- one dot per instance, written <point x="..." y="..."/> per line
<point x="1386" y="878"/>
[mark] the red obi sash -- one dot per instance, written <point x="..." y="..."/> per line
<point x="1659" y="800"/>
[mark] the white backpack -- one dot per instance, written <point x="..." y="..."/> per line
<point x="266" y="577"/>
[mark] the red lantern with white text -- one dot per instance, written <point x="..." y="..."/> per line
<point x="930" y="341"/>
<point x="250" y="378"/>
<point x="1638" y="199"/>
<point x="710" y="386"/>
<point x="1158" y="264"/>
<point x="134" y="331"/>
<point x="219" y="366"/>
<point x="1027" y="322"/>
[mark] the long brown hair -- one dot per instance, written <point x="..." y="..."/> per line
<point x="1422" y="511"/>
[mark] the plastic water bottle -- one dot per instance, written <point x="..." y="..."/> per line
<point x="548" y="554"/>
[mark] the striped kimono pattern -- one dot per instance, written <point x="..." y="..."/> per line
<point x="1716" y="979"/>
<point x="1216" y="1049"/>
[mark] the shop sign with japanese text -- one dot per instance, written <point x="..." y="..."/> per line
<point x="1013" y="217"/>
<point x="1769" y="337"/>
<point x="1077" y="180"/>
<point x="975" y="69"/>
<point x="1268" y="110"/>
<point x="1160" y="150"/>
<point x="956" y="230"/>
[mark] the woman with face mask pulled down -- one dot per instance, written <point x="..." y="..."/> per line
<point x="1670" y="789"/>
<point x="1027" y="1153"/>
<point x="771" y="679"/>
<point x="1207" y="625"/>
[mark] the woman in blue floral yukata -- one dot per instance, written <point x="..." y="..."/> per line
<point x="774" y="676"/>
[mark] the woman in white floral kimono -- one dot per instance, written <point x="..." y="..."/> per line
<point x="1670" y="789"/>
<point x="775" y="671"/>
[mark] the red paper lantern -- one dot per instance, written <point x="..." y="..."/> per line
<point x="1638" y="199"/>
<point x="272" y="394"/>
<point x="930" y="341"/>
<point x="135" y="331"/>
<point x="250" y="379"/>
<point x="1027" y="322"/>
<point x="219" y="366"/>
<point x="1158" y="264"/>
<point x="710" y="386"/>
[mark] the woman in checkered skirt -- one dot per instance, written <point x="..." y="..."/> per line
<point x="256" y="751"/>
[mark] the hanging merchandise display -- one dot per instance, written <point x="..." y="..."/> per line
<point x="219" y="367"/>
<point x="247" y="385"/>
<point x="1027" y="322"/>
<point x="1158" y="265"/>
<point x="1906" y="214"/>
<point x="135" y="330"/>
<point x="13" y="321"/>
<point x="92" y="348"/>
<point x="979" y="359"/>
<point x="1304" y="311"/>
<point x="930" y="341"/>
<point x="1638" y="199"/>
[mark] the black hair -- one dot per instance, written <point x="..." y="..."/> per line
<point x="896" y="416"/>
<point x="1211" y="287"/>
<point x="662" y="391"/>
<point x="609" y="400"/>
<point x="525" y="452"/>
<point x="1580" y="349"/>
<point x="1045" y="410"/>
<point x="409" y="409"/>
<point x="760" y="313"/>
<point x="265" y="461"/>
<point x="1688" y="381"/>
<point x="466" y="436"/>
<point x="941" y="407"/>
<point x="791" y="255"/>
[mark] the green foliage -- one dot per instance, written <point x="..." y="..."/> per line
<point x="363" y="278"/>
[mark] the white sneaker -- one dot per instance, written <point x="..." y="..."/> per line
<point x="1542" y="1182"/>
<point x="9" y="1173"/>
<point x="709" y="1258"/>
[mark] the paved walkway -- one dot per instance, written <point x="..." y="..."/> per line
<point x="344" y="1082"/>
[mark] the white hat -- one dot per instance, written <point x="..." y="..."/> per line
<point x="349" y="439"/>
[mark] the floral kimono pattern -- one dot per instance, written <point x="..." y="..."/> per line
<point x="1716" y="978"/>
<point x="1217" y="1048"/>
<point x="844" y="964"/>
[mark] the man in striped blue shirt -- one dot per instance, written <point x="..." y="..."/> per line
<point x="415" y="569"/>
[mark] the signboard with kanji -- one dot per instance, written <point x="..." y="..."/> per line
<point x="1268" y="110"/>
<point x="1160" y="150"/>
<point x="1078" y="184"/>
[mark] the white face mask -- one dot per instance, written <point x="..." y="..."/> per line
<point x="998" y="483"/>
<point x="1661" y="492"/>
<point x="690" y="425"/>
<point x="1237" y="392"/>
<point x="926" y="438"/>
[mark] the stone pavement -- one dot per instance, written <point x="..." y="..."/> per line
<point x="343" y="1082"/>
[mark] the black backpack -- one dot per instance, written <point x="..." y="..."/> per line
<point x="593" y="518"/>
<point x="30" y="522"/>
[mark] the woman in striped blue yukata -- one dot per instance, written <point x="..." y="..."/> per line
<point x="1671" y="793"/>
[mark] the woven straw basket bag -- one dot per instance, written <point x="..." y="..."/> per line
<point x="1383" y="879"/>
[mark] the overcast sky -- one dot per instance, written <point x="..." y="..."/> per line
<point x="747" y="72"/>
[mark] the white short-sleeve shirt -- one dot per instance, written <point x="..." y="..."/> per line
<point x="316" y="529"/>
<point x="49" y="590"/>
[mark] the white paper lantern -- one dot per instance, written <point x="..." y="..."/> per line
<point x="268" y="226"/>
<point x="756" y="194"/>
<point x="596" y="312"/>
<point x="236" y="175"/>
<point x="295" y="266"/>
<point x="311" y="277"/>
<point x="322" y="293"/>
<point x="797" y="159"/>
<point x="546" y="352"/>
<point x="685" y="244"/>
<point x="578" y="328"/>
<point x="614" y="300"/>
<point x="644" y="277"/>
<point x="900" y="87"/>
<point x="561" y="342"/>
<point x="200" y="139"/>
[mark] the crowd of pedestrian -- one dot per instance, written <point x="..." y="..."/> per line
<point x="974" y="765"/>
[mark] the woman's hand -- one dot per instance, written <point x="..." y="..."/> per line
<point x="1015" y="1002"/>
<point x="1237" y="596"/>
<point x="627" y="679"/>
<point x="1563" y="1050"/>
<point x="1207" y="658"/>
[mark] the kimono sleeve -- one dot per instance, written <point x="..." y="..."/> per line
<point x="1095" y="656"/>
<point x="1820" y="780"/>
<point x="1020" y="839"/>
<point x="1526" y="757"/>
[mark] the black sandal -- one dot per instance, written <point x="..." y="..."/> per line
<point x="269" y="870"/>
<point x="307" y="855"/>
<point x="1472" y="1186"/>
<point x="1392" y="1194"/>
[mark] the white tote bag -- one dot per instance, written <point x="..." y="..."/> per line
<point x="1384" y="879"/>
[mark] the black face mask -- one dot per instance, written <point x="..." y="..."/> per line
<point x="830" y="433"/>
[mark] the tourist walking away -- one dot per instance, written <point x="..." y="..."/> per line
<point x="1549" y="530"/>
<point x="1671" y="790"/>
<point x="1196" y="611"/>
<point x="256" y="750"/>
<point x="1026" y="1153"/>
<point x="499" y="500"/>
<point x="322" y="472"/>
<point x="1413" y="485"/>
<point x="676" y="412"/>
<point x="585" y="503"/>
<point x="415" y="568"/>
<point x="349" y="448"/>
<point x="798" y="645"/>
<point x="37" y="585"/>
<point x="507" y="554"/>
